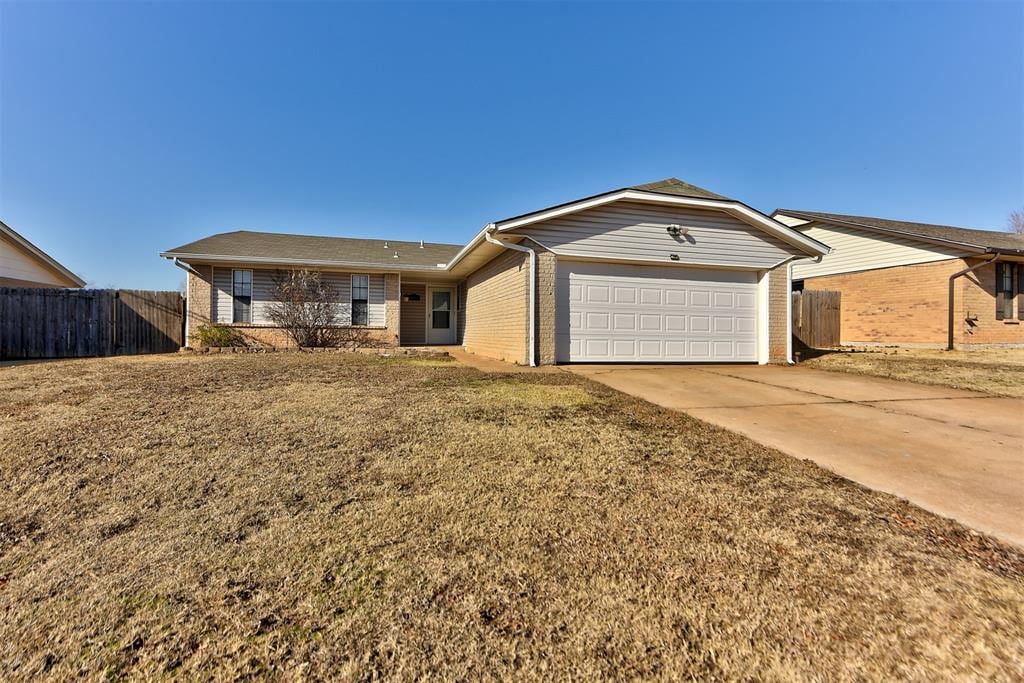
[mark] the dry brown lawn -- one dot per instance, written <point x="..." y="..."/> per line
<point x="992" y="371"/>
<point x="325" y="516"/>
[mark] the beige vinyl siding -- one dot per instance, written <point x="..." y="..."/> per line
<point x="414" y="315"/>
<point x="637" y="231"/>
<point x="495" y="309"/>
<point x="23" y="268"/>
<point x="855" y="250"/>
<point x="263" y="296"/>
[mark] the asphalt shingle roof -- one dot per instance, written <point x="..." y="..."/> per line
<point x="272" y="245"/>
<point x="678" y="187"/>
<point x="986" y="239"/>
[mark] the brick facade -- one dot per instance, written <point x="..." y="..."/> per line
<point x="198" y="297"/>
<point x="494" y="308"/>
<point x="778" y="314"/>
<point x="908" y="305"/>
<point x="547" y="264"/>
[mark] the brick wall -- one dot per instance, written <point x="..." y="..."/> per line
<point x="392" y="309"/>
<point x="199" y="297"/>
<point x="908" y="305"/>
<point x="495" y="309"/>
<point x="545" y="308"/>
<point x="778" y="314"/>
<point x="976" y="299"/>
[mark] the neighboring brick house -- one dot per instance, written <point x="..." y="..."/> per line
<point x="896" y="277"/>
<point x="663" y="272"/>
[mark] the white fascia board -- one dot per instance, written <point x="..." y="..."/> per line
<point x="473" y="243"/>
<point x="342" y="265"/>
<point x="741" y="211"/>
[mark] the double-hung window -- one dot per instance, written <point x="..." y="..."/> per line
<point x="241" y="296"/>
<point x="360" y="299"/>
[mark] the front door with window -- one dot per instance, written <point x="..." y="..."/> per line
<point x="440" y="315"/>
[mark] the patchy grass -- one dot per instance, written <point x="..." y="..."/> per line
<point x="992" y="371"/>
<point x="351" y="517"/>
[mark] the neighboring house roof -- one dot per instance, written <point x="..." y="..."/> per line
<point x="245" y="245"/>
<point x="976" y="240"/>
<point x="40" y="256"/>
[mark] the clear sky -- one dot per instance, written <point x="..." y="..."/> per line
<point x="130" y="128"/>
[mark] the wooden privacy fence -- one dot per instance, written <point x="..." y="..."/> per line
<point x="816" y="318"/>
<point x="70" y="323"/>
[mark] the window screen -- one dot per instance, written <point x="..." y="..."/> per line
<point x="360" y="297"/>
<point x="241" y="295"/>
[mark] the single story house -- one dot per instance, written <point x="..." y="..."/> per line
<point x="662" y="272"/>
<point x="916" y="283"/>
<point x="23" y="264"/>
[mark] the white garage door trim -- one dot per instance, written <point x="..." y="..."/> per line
<point x="624" y="313"/>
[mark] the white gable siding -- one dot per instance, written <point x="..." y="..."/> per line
<point x="637" y="231"/>
<point x="17" y="264"/>
<point x="855" y="250"/>
<point x="263" y="296"/>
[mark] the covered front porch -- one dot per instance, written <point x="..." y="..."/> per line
<point x="429" y="313"/>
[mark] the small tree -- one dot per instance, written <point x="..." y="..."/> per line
<point x="307" y="308"/>
<point x="1016" y="222"/>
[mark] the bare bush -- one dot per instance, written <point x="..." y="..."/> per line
<point x="307" y="308"/>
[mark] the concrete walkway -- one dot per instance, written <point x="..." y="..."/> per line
<point x="956" y="453"/>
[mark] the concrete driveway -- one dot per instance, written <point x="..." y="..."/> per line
<point x="956" y="453"/>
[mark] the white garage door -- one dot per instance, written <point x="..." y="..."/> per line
<point x="652" y="313"/>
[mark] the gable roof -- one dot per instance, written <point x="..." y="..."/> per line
<point x="984" y="240"/>
<point x="667" y="191"/>
<point x="245" y="245"/>
<point x="677" y="187"/>
<point x="41" y="255"/>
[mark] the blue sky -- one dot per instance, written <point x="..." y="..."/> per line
<point x="130" y="128"/>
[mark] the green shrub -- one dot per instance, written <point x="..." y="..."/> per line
<point x="216" y="335"/>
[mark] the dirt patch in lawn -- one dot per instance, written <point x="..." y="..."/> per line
<point x="354" y="517"/>
<point x="993" y="371"/>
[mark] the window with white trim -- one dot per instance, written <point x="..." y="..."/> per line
<point x="360" y="299"/>
<point x="241" y="296"/>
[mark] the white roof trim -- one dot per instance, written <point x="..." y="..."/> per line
<point x="40" y="254"/>
<point x="740" y="211"/>
<point x="272" y="260"/>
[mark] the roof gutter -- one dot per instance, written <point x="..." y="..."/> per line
<point x="952" y="296"/>
<point x="487" y="234"/>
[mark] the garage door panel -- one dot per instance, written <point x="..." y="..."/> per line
<point x="624" y="321"/>
<point x="625" y="295"/>
<point x="631" y="313"/>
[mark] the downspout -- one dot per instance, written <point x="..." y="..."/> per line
<point x="533" y="279"/>
<point x="789" y="302"/>
<point x="952" y="296"/>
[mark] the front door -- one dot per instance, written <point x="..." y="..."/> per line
<point x="440" y="315"/>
